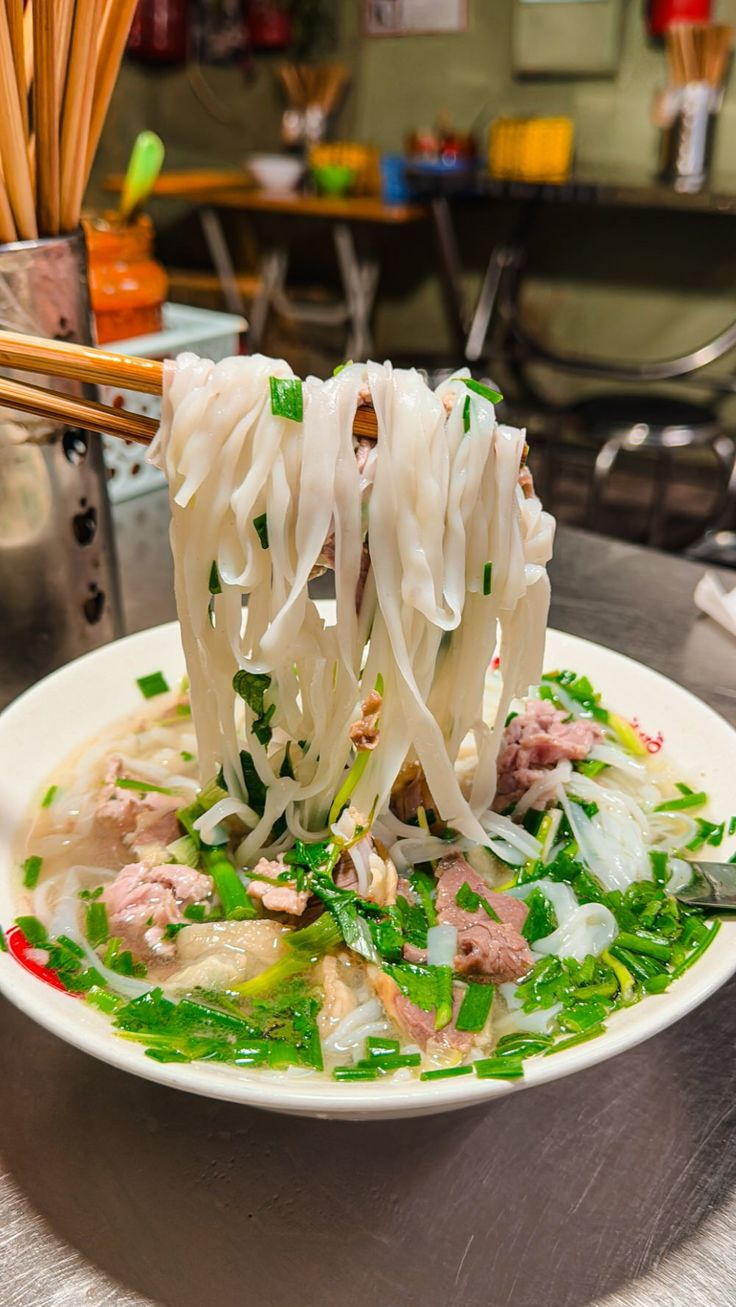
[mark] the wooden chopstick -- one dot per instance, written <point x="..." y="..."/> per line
<point x="69" y="410"/>
<point x="114" y="31"/>
<point x="97" y="367"/>
<point x="46" y="115"/>
<point x="77" y="110"/>
<point x="13" y="140"/>
<point x="15" y="25"/>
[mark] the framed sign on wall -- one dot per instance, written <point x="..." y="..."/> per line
<point x="412" y="17"/>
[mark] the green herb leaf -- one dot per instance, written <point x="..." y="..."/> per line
<point x="287" y="400"/>
<point x="153" y="684"/>
<point x="541" y="919"/>
<point x="469" y="901"/>
<point x="254" y="786"/>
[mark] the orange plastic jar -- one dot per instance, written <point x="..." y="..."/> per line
<point x="127" y="285"/>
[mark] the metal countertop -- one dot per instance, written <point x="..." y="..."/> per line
<point x="615" y="1187"/>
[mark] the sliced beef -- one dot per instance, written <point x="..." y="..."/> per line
<point x="143" y="900"/>
<point x="284" y="897"/>
<point x="534" y="742"/>
<point x="138" y="820"/>
<point x="414" y="1022"/>
<point x="495" y="950"/>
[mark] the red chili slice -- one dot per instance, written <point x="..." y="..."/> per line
<point x="19" y="948"/>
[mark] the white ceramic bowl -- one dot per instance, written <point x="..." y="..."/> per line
<point x="72" y="705"/>
<point x="279" y="174"/>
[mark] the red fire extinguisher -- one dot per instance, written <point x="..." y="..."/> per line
<point x="269" y="24"/>
<point x="661" y="14"/>
<point x="159" y="33"/>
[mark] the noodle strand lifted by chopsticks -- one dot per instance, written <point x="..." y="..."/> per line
<point x="457" y="555"/>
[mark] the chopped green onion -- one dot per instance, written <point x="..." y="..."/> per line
<point x="520" y="1045"/>
<point x="153" y="684"/>
<point x="185" y="852"/>
<point x="236" y="902"/>
<point x="685" y="801"/>
<point x="590" y="767"/>
<point x="486" y="392"/>
<point x="336" y="371"/>
<point x="3" y="941"/>
<point x="446" y="1072"/>
<point x="654" y="946"/>
<point x="186" y="756"/>
<point x="49" y="796"/>
<point x="34" y="931"/>
<point x="31" y="871"/>
<point x="376" y="1047"/>
<point x="391" y="1061"/>
<point x="260" y="524"/>
<point x="487" y="578"/>
<point x="214" y="584"/>
<point x="660" y="867"/>
<point x="475" y="1007"/>
<point x="732" y="826"/>
<point x="591" y="1033"/>
<point x="711" y="931"/>
<point x="357" y="1073"/>
<point x="627" y="735"/>
<point x="125" y="783"/>
<point x="287" y="400"/>
<point x="466" y="414"/>
<point x="499" y="1068"/>
<point x="96" y="926"/>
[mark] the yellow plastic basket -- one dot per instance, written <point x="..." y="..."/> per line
<point x="531" y="149"/>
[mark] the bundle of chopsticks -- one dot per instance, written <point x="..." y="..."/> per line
<point x="59" y="61"/>
<point x="699" y="53"/>
<point x="313" y="86"/>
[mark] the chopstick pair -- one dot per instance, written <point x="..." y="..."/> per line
<point x="96" y="367"/>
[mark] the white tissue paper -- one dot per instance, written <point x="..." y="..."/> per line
<point x="718" y="603"/>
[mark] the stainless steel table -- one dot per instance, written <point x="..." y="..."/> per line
<point x="615" y="1187"/>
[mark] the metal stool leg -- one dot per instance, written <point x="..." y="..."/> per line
<point x="273" y="275"/>
<point x="359" y="284"/>
<point x="221" y="260"/>
<point x="657" y="514"/>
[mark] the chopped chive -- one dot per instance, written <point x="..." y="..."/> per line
<point x="96" y="924"/>
<point x="391" y="1061"/>
<point x="446" y="1072"/>
<point x="466" y="414"/>
<point x="654" y="946"/>
<point x="153" y="684"/>
<point x="683" y="788"/>
<point x="706" y="941"/>
<point x="499" y="1068"/>
<point x="732" y="826"/>
<point x="215" y="587"/>
<point x="126" y="783"/>
<point x="685" y="801"/>
<point x="475" y="1007"/>
<point x="478" y="388"/>
<point x="183" y="710"/>
<point x="186" y="756"/>
<point x="376" y="1047"/>
<point x="49" y="796"/>
<point x="660" y="869"/>
<point x="260" y="525"/>
<point x="355" y="1073"/>
<point x="487" y="578"/>
<point x="287" y="400"/>
<point x="591" y="1033"/>
<point x="31" y="871"/>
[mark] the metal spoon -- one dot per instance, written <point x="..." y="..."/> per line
<point x="713" y="886"/>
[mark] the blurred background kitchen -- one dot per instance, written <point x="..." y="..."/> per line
<point x="544" y="190"/>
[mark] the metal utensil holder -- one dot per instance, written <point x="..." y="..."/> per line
<point x="687" y="139"/>
<point x="59" y="592"/>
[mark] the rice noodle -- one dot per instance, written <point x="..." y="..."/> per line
<point x="439" y="503"/>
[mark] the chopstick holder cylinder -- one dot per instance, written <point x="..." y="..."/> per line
<point x="58" y="571"/>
